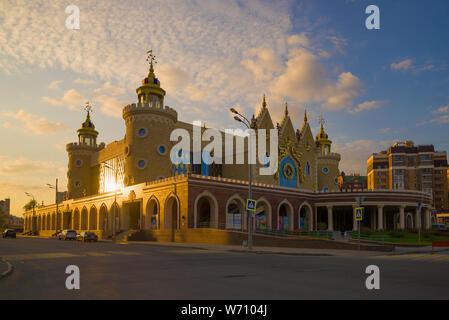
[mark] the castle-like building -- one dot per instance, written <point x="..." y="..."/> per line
<point x="144" y="154"/>
<point x="133" y="184"/>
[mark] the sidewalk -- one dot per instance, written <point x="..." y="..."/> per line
<point x="261" y="250"/>
<point x="5" y="268"/>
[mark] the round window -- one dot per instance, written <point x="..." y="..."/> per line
<point x="77" y="183"/>
<point x="141" y="164"/>
<point x="325" y="189"/>
<point x="161" y="149"/>
<point x="142" y="132"/>
<point x="79" y="163"/>
<point x="325" y="170"/>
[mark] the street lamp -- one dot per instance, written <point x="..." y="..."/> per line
<point x="56" y="201"/>
<point x="34" y="212"/>
<point x="241" y="118"/>
<point x="115" y="196"/>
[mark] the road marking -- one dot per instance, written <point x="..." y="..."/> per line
<point x="194" y="251"/>
<point x="441" y="258"/>
<point x="126" y="253"/>
<point x="97" y="254"/>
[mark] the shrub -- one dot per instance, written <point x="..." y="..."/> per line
<point x="365" y="231"/>
<point x="395" y="234"/>
<point x="322" y="226"/>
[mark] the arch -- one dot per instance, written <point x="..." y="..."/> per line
<point x="205" y="211"/>
<point x="285" y="219"/>
<point x="288" y="173"/>
<point x="103" y="218"/>
<point x="263" y="216"/>
<point x="115" y="217"/>
<point x="171" y="212"/>
<point x="305" y="217"/>
<point x="235" y="213"/>
<point x="76" y="219"/>
<point x="408" y="221"/>
<point x="48" y="221"/>
<point x="93" y="215"/>
<point x="53" y="221"/>
<point x="152" y="214"/>
<point x="84" y="219"/>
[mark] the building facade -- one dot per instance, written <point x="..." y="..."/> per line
<point x="132" y="184"/>
<point x="405" y="166"/>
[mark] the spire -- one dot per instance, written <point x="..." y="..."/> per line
<point x="305" y="115"/>
<point x="150" y="59"/>
<point x="264" y="103"/>
<point x="286" y="109"/>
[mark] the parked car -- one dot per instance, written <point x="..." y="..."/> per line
<point x="87" y="236"/>
<point x="439" y="227"/>
<point x="67" y="235"/>
<point x="9" y="233"/>
<point x="57" y="234"/>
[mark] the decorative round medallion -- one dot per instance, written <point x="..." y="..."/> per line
<point x="288" y="171"/>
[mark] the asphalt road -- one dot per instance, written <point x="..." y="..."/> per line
<point x="140" y="271"/>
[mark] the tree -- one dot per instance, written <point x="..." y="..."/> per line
<point x="30" y="205"/>
<point x="3" y="219"/>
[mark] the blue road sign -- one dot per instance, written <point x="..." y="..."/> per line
<point x="251" y="204"/>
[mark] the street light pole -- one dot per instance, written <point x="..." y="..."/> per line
<point x="250" y="125"/>
<point x="34" y="206"/>
<point x="56" y="201"/>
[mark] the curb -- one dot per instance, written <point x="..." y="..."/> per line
<point x="8" y="271"/>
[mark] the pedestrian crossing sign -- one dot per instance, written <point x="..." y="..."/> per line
<point x="251" y="205"/>
<point x="358" y="213"/>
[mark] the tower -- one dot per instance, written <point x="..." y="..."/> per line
<point x="327" y="162"/>
<point x="148" y="128"/>
<point x="82" y="178"/>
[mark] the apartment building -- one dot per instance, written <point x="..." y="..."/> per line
<point x="404" y="166"/>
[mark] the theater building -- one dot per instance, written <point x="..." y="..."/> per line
<point x="132" y="184"/>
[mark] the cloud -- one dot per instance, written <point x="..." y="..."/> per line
<point x="34" y="124"/>
<point x="443" y="116"/>
<point x="84" y="81"/>
<point x="52" y="101"/>
<point x="24" y="166"/>
<point x="354" y="154"/>
<point x="55" y="84"/>
<point x="110" y="105"/>
<point x="402" y="65"/>
<point x="368" y="105"/>
<point x="109" y="89"/>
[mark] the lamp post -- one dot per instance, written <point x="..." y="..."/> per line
<point x="34" y="212"/>
<point x="56" y="201"/>
<point x="115" y="196"/>
<point x="241" y="118"/>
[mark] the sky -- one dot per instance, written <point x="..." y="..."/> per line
<point x="373" y="87"/>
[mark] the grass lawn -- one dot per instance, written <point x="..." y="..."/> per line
<point x="403" y="237"/>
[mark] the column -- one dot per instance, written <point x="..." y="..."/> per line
<point x="354" y="222"/>
<point x="417" y="219"/>
<point x="380" y="217"/>
<point x="330" y="219"/>
<point x="428" y="218"/>
<point x="401" y="218"/>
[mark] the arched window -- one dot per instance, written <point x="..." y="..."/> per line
<point x="307" y="169"/>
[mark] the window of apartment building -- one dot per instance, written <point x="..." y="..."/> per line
<point x="425" y="159"/>
<point x="398" y="160"/>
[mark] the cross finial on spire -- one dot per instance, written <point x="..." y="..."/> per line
<point x="88" y="108"/>
<point x="151" y="58"/>
<point x="321" y="119"/>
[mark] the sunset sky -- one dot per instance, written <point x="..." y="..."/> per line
<point x="373" y="87"/>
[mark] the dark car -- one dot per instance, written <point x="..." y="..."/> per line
<point x="87" y="236"/>
<point x="67" y="235"/>
<point x="9" y="233"/>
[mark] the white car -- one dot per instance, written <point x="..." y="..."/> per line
<point x="67" y="235"/>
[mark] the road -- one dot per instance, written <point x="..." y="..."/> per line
<point x="145" y="271"/>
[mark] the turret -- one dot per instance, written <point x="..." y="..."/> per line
<point x="82" y="178"/>
<point x="148" y="128"/>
